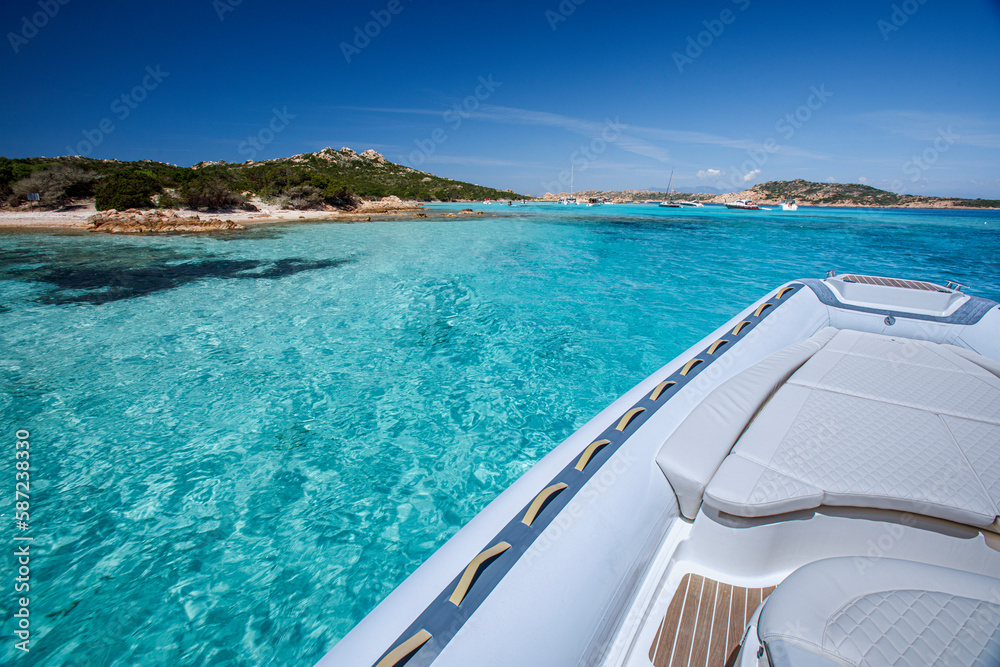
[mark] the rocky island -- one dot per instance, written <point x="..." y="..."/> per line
<point x="804" y="192"/>
<point x="846" y="194"/>
<point x="154" y="197"/>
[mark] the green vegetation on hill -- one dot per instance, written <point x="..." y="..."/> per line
<point x="313" y="180"/>
<point x="127" y="189"/>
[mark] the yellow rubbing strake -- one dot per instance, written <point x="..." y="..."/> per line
<point x="782" y="291"/>
<point x="628" y="417"/>
<point x="589" y="452"/>
<point x="689" y="365"/>
<point x="760" y="309"/>
<point x="715" y="346"/>
<point x="536" y="504"/>
<point x="397" y="654"/>
<point x="739" y="327"/>
<point x="462" y="589"/>
<point x="659" y="389"/>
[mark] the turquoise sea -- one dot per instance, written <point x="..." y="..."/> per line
<point x="241" y="442"/>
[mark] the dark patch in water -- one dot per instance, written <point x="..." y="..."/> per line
<point x="86" y="280"/>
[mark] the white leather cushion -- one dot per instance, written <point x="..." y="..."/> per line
<point x="880" y="611"/>
<point x="810" y="448"/>
<point x="870" y="421"/>
<point x="904" y="372"/>
<point x="692" y="454"/>
<point x="983" y="362"/>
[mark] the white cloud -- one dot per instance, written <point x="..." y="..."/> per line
<point x="862" y="179"/>
<point x="751" y="175"/>
<point x="831" y="179"/>
<point x="709" y="173"/>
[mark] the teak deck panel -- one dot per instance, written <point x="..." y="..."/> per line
<point x="704" y="623"/>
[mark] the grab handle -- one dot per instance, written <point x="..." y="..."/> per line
<point x="479" y="562"/>
<point x="404" y="650"/>
<point x="628" y="417"/>
<point x="540" y="501"/>
<point x="589" y="452"/>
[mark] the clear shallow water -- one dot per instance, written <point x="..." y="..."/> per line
<point x="241" y="443"/>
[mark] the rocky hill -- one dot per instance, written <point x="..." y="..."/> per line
<point x="329" y="178"/>
<point x="849" y="194"/>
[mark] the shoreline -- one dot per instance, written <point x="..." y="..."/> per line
<point x="78" y="219"/>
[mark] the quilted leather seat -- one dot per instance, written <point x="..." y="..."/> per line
<point x="873" y="421"/>
<point x="881" y="611"/>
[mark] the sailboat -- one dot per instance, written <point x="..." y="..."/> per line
<point x="669" y="203"/>
<point x="569" y="200"/>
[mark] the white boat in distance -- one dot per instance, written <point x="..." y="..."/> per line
<point x="571" y="200"/>
<point x="670" y="203"/>
<point x="817" y="482"/>
<point x="743" y="204"/>
<point x="690" y="203"/>
<point x="789" y="205"/>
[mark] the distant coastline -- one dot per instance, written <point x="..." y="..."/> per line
<point x="807" y="193"/>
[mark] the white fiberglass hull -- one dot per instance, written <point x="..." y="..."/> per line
<point x="575" y="562"/>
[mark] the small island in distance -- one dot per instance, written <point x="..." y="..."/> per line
<point x="809" y="193"/>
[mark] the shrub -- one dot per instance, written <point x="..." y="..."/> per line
<point x="57" y="185"/>
<point x="211" y="195"/>
<point x="10" y="173"/>
<point x="302" y="197"/>
<point x="340" y="197"/>
<point x="168" y="200"/>
<point x="129" y="189"/>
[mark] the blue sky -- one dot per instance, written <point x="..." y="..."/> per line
<point x="899" y="95"/>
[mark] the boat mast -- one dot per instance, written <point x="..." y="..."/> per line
<point x="670" y="185"/>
